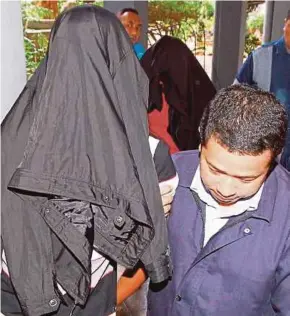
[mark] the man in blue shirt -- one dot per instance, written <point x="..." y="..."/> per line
<point x="130" y="19"/>
<point x="268" y="67"/>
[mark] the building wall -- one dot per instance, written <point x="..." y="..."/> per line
<point x="13" y="73"/>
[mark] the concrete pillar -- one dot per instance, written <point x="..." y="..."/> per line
<point x="229" y="40"/>
<point x="140" y="6"/>
<point x="13" y="69"/>
<point x="276" y="12"/>
<point x="268" y="21"/>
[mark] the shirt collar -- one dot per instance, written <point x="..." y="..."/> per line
<point x="239" y="207"/>
<point x="281" y="46"/>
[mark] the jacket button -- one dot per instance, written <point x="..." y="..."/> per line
<point x="105" y="198"/>
<point x="247" y="230"/>
<point x="53" y="302"/>
<point x="119" y="219"/>
<point x="178" y="298"/>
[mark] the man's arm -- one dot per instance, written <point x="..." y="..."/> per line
<point x="131" y="280"/>
<point x="245" y="74"/>
<point x="129" y="283"/>
<point x="281" y="297"/>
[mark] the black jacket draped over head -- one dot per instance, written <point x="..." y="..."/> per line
<point x="79" y="131"/>
<point x="185" y="84"/>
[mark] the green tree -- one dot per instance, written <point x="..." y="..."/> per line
<point x="255" y="23"/>
<point x="36" y="41"/>
<point x="182" y="19"/>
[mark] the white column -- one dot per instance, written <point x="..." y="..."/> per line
<point x="13" y="69"/>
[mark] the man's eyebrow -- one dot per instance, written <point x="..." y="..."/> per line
<point x="235" y="176"/>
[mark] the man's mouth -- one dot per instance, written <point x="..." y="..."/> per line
<point x="223" y="201"/>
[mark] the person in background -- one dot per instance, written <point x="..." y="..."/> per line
<point x="178" y="93"/>
<point x="131" y="20"/>
<point x="268" y="67"/>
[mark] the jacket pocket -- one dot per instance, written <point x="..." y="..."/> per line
<point x="114" y="223"/>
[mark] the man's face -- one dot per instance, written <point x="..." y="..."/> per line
<point x="132" y="23"/>
<point x="286" y="30"/>
<point x="230" y="177"/>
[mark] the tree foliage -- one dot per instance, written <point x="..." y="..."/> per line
<point x="182" y="19"/>
<point x="253" y="4"/>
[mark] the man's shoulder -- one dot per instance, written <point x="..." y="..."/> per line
<point x="283" y="178"/>
<point x="277" y="191"/>
<point x="185" y="157"/>
<point x="269" y="45"/>
<point x="186" y="163"/>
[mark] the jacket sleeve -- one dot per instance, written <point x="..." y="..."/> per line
<point x="131" y="86"/>
<point x="281" y="296"/>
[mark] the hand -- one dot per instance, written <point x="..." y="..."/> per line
<point x="167" y="195"/>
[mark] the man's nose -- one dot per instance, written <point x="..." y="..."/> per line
<point x="226" y="187"/>
<point x="133" y="30"/>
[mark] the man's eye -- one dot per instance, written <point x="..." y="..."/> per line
<point x="247" y="180"/>
<point x="214" y="171"/>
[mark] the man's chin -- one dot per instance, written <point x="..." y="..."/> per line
<point x="222" y="202"/>
<point x="226" y="203"/>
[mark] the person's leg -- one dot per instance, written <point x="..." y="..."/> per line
<point x="101" y="302"/>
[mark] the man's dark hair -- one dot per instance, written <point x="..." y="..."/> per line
<point x="125" y="10"/>
<point x="245" y="120"/>
<point x="288" y="15"/>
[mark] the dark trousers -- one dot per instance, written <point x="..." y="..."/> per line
<point x="101" y="302"/>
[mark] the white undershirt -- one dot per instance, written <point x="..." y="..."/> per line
<point x="216" y="215"/>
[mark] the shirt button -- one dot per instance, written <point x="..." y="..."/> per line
<point x="247" y="230"/>
<point x="53" y="302"/>
<point x="178" y="298"/>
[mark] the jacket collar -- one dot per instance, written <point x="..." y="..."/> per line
<point x="280" y="46"/>
<point x="268" y="199"/>
<point x="188" y="162"/>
